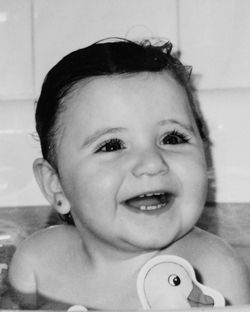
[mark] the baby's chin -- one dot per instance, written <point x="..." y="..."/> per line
<point x="154" y="243"/>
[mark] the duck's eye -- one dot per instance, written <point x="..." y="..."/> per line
<point x="174" y="280"/>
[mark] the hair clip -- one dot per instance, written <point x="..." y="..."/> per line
<point x="167" y="47"/>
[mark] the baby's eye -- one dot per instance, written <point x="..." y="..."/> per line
<point x="111" y="145"/>
<point x="175" y="137"/>
<point x="174" y="280"/>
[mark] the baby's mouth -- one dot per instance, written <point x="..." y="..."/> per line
<point x="149" y="201"/>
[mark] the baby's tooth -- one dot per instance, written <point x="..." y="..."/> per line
<point x="150" y="194"/>
<point x="152" y="207"/>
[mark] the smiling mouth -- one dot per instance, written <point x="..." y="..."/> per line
<point x="150" y="201"/>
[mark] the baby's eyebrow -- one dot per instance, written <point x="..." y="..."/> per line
<point x="187" y="126"/>
<point x="99" y="133"/>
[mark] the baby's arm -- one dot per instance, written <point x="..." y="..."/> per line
<point x="22" y="279"/>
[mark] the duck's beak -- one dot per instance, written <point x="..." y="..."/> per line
<point x="197" y="299"/>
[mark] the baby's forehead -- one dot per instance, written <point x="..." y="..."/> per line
<point x="98" y="84"/>
<point x="96" y="96"/>
<point x="123" y="95"/>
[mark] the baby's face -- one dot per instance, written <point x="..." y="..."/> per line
<point x="131" y="161"/>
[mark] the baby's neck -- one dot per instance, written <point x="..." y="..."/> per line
<point x="106" y="257"/>
<point x="100" y="255"/>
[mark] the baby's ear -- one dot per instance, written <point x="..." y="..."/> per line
<point x="49" y="183"/>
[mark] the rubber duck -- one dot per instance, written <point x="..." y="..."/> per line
<point x="169" y="282"/>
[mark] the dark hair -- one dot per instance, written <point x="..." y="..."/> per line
<point x="116" y="56"/>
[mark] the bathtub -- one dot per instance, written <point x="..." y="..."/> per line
<point x="229" y="221"/>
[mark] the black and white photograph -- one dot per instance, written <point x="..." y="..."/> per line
<point x="125" y="155"/>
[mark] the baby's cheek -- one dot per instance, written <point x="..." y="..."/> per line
<point x="194" y="177"/>
<point x="100" y="183"/>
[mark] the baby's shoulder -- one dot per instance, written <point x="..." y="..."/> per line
<point x="209" y="247"/>
<point x="37" y="258"/>
<point x="53" y="233"/>
<point x="209" y="252"/>
<point x="47" y="242"/>
<point x="218" y="265"/>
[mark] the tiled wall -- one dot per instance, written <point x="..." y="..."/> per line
<point x="213" y="35"/>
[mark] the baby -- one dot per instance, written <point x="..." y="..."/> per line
<point x="124" y="162"/>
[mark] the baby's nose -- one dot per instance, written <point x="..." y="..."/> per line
<point x="150" y="162"/>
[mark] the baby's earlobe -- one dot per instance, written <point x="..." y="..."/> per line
<point x="61" y="204"/>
